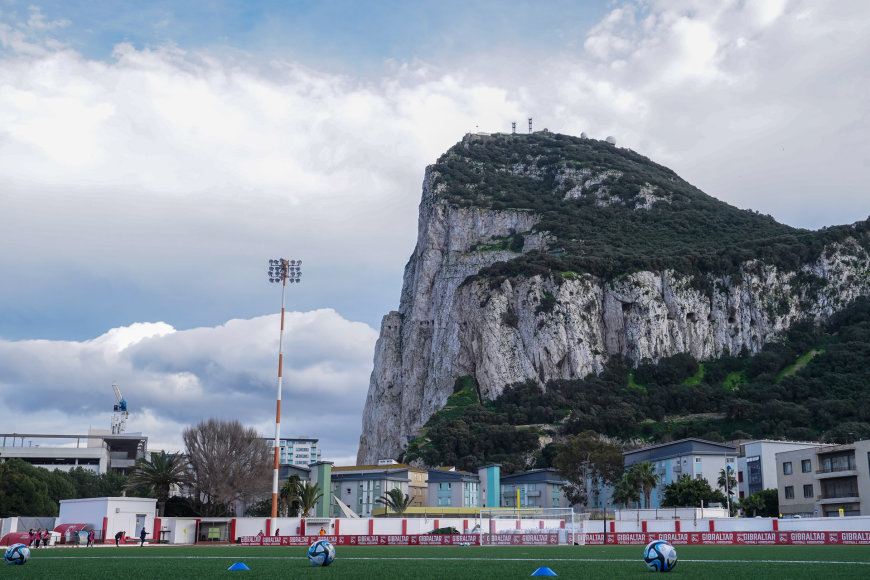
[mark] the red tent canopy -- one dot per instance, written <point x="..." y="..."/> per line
<point x="15" y="538"/>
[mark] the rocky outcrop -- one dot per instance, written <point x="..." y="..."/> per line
<point x="564" y="327"/>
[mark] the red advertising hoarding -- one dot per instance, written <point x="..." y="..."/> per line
<point x="861" y="538"/>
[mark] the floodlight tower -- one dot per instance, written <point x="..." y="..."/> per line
<point x="283" y="271"/>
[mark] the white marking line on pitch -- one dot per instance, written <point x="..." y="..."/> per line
<point x="835" y="562"/>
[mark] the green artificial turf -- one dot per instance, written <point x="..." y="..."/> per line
<point x="419" y="563"/>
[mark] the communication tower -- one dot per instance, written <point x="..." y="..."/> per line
<point x="530" y="125"/>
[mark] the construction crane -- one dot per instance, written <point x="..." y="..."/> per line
<point x="119" y="418"/>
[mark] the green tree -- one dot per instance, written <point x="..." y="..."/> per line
<point x="771" y="503"/>
<point x="309" y="495"/>
<point x="88" y="484"/>
<point x="24" y="491"/>
<point x="644" y="475"/>
<point x="160" y="473"/>
<point x="752" y="505"/>
<point x="688" y="492"/>
<point x="395" y="500"/>
<point x="588" y="461"/>
<point x="727" y="483"/>
<point x="626" y="492"/>
<point x="289" y="497"/>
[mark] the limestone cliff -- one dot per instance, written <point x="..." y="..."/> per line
<point x="564" y="324"/>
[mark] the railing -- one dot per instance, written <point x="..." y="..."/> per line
<point x="837" y="469"/>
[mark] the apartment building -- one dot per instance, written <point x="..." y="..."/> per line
<point x="697" y="458"/>
<point x="300" y="451"/>
<point x="360" y="486"/>
<point x="452" y="488"/>
<point x="825" y="481"/>
<point x="536" y="488"/>
<point x="756" y="463"/>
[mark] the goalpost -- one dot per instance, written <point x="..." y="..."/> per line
<point x="570" y="527"/>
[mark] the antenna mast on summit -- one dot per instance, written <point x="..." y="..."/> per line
<point x="513" y="127"/>
<point x="530" y="125"/>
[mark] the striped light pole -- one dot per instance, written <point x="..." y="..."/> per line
<point x="282" y="271"/>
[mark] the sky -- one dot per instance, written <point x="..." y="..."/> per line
<point x="155" y="155"/>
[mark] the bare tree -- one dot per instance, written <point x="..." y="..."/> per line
<point x="229" y="462"/>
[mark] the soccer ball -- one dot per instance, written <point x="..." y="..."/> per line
<point x="660" y="556"/>
<point x="17" y="554"/>
<point x="321" y="553"/>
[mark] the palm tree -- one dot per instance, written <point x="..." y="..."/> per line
<point x="395" y="500"/>
<point x="289" y="497"/>
<point x="309" y="495"/>
<point x="644" y="476"/>
<point x="626" y="491"/>
<point x="160" y="473"/>
<point x="729" y="484"/>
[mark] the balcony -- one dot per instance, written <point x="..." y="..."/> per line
<point x="823" y="500"/>
<point x="829" y="472"/>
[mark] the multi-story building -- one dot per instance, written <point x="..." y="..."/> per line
<point x="697" y="458"/>
<point x="756" y="463"/>
<point x="99" y="451"/>
<point x="537" y="488"/>
<point x="302" y="451"/>
<point x="451" y="488"/>
<point x="360" y="486"/>
<point x="828" y="480"/>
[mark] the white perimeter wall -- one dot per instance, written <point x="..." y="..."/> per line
<point x="182" y="530"/>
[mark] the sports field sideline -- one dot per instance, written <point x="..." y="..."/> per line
<point x="419" y="563"/>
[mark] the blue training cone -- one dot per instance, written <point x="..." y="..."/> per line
<point x="544" y="571"/>
<point x="238" y="566"/>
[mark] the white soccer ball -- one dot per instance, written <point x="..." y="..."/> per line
<point x="660" y="556"/>
<point x="321" y="553"/>
<point x="17" y="554"/>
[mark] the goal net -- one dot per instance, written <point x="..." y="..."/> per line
<point x="496" y="524"/>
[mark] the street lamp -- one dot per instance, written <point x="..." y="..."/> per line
<point x="728" y="468"/>
<point x="283" y="271"/>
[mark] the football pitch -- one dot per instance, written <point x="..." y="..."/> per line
<point x="448" y="562"/>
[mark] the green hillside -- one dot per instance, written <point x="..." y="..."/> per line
<point x="613" y="211"/>
<point x="783" y="393"/>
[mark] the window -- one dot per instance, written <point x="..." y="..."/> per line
<point x="789" y="492"/>
<point x="697" y="460"/>
<point x="786" y="468"/>
<point x="808" y="490"/>
<point x="806" y="466"/>
<point x="739" y="477"/>
<point x="699" y="476"/>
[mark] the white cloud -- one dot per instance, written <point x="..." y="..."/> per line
<point x="155" y="185"/>
<point x="174" y="379"/>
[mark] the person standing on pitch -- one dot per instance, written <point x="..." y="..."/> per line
<point x="118" y="537"/>
<point x="142" y="535"/>
<point x="90" y="539"/>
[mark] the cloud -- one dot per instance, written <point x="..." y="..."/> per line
<point x="173" y="379"/>
<point x="155" y="184"/>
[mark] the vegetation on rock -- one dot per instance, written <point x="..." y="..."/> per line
<point x="826" y="397"/>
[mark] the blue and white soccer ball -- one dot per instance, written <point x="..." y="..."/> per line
<point x="660" y="556"/>
<point x="17" y="554"/>
<point x="321" y="553"/>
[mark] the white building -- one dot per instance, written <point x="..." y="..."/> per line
<point x="301" y="451"/>
<point x="110" y="515"/>
<point x="100" y="450"/>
